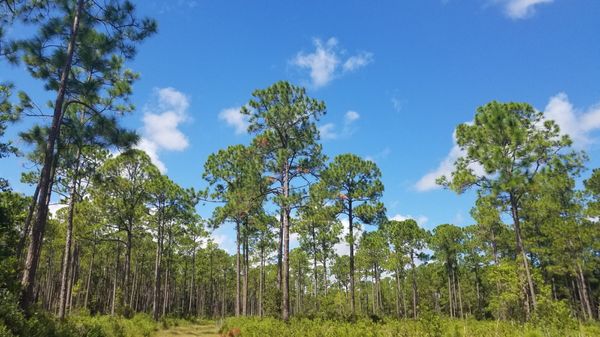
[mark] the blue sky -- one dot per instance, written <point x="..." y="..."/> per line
<point x="397" y="77"/>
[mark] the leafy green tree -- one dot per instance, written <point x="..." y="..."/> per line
<point x="12" y="213"/>
<point x="490" y="228"/>
<point x="357" y="185"/>
<point x="319" y="231"/>
<point x="408" y="241"/>
<point x="235" y="178"/>
<point x="167" y="203"/>
<point x="447" y="244"/>
<point x="284" y="119"/>
<point x="78" y="51"/>
<point x="123" y="190"/>
<point x="373" y="251"/>
<point x="512" y="143"/>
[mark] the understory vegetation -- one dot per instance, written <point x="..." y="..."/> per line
<point x="426" y="326"/>
<point x="127" y="253"/>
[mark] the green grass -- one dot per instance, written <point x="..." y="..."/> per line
<point x="196" y="330"/>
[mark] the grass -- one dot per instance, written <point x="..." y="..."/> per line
<point x="196" y="330"/>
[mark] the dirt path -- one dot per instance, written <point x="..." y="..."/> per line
<point x="190" y="331"/>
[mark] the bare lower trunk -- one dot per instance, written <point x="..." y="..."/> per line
<point x="285" y="268"/>
<point x="46" y="176"/>
<point x="522" y="252"/>
<point x="68" y="239"/>
<point x="237" y="271"/>
<point x="157" y="272"/>
<point x="414" y="285"/>
<point x="351" y="236"/>
<point x="89" y="277"/>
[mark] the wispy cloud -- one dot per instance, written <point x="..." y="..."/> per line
<point x="520" y="9"/>
<point x="328" y="130"/>
<point x="379" y="155"/>
<point x="161" y="124"/>
<point x="327" y="62"/>
<point x="234" y="118"/>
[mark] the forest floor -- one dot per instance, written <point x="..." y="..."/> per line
<point x="205" y="330"/>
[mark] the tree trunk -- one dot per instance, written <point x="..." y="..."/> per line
<point x="157" y="267"/>
<point x="351" y="235"/>
<point x="46" y="177"/>
<point x="69" y="238"/>
<point x="285" y="270"/>
<point x="114" y="292"/>
<point x="237" y="271"/>
<point x="521" y="250"/>
<point x="245" y="281"/>
<point x="89" y="277"/>
<point x="280" y="251"/>
<point x="414" y="284"/>
<point x="127" y="262"/>
<point x="261" y="282"/>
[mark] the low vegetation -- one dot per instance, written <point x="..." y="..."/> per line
<point x="427" y="326"/>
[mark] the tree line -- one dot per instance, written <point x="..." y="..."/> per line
<point x="129" y="239"/>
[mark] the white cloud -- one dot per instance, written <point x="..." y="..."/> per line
<point x="421" y="219"/>
<point x="351" y="116"/>
<point x="233" y="117"/>
<point x="521" y="9"/>
<point x="577" y="124"/>
<point x="327" y="131"/>
<point x="324" y="62"/>
<point x="358" y="61"/>
<point x="445" y="168"/>
<point x="161" y="122"/>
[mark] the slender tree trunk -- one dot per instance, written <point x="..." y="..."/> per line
<point x="398" y="294"/>
<point x="114" y="292"/>
<point x="89" y="277"/>
<point x="351" y="235"/>
<point x="237" y="271"/>
<point x="285" y="270"/>
<point x="585" y="302"/>
<point x="325" y="281"/>
<point x="39" y="226"/>
<point x="315" y="275"/>
<point x="127" y="262"/>
<point x="157" y="271"/>
<point x="245" y="280"/>
<point x="261" y="281"/>
<point x="521" y="250"/>
<point x="193" y="281"/>
<point x="450" y="300"/>
<point x="73" y="277"/>
<point x="280" y="251"/>
<point x="460" y="304"/>
<point x="414" y="284"/>
<point x="69" y="238"/>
